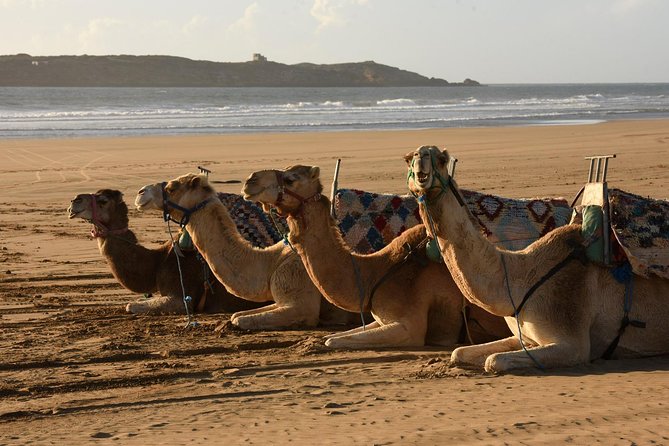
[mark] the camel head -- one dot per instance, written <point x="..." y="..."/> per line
<point x="187" y="192"/>
<point x="287" y="190"/>
<point x="428" y="169"/>
<point x="105" y="209"/>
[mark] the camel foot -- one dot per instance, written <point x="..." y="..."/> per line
<point x="395" y="334"/>
<point x="476" y="355"/>
<point x="562" y="354"/>
<point x="273" y="318"/>
<point x="156" y="305"/>
<point x="461" y="356"/>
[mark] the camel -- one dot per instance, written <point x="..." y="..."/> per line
<point x="413" y="302"/>
<point x="274" y="273"/>
<point x="145" y="270"/>
<point x="571" y="318"/>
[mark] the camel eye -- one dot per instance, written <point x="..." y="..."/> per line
<point x="289" y="181"/>
<point x="102" y="200"/>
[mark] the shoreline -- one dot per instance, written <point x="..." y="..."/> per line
<point x="519" y="162"/>
<point x="334" y="129"/>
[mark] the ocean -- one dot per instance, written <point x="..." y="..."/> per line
<point x="35" y="112"/>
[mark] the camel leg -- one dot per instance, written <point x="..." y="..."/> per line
<point x="157" y="305"/>
<point x="396" y="334"/>
<point x="251" y="312"/>
<point x="272" y="318"/>
<point x="561" y="354"/>
<point x="369" y="326"/>
<point x="476" y="354"/>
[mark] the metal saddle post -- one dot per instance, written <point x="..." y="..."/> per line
<point x="204" y="171"/>
<point x="596" y="192"/>
<point x="452" y="161"/>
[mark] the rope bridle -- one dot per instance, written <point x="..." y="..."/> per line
<point x="281" y="190"/>
<point x="99" y="229"/>
<point x="445" y="184"/>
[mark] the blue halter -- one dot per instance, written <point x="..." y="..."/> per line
<point x="185" y="218"/>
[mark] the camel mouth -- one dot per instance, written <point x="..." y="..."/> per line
<point x="249" y="193"/>
<point x="142" y="202"/>
<point x="72" y="213"/>
<point x="422" y="178"/>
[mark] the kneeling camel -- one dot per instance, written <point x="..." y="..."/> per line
<point x="411" y="299"/>
<point x="146" y="270"/>
<point x="255" y="274"/>
<point x="572" y="318"/>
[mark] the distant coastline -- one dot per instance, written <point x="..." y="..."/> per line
<point x="24" y="70"/>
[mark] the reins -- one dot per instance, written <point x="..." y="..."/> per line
<point x="185" y="218"/>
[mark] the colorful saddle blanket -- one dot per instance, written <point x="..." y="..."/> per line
<point x="369" y="221"/>
<point x="641" y="226"/>
<point x="254" y="225"/>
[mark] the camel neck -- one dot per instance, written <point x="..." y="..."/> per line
<point x="133" y="265"/>
<point x="327" y="258"/>
<point x="234" y="261"/>
<point x="475" y="264"/>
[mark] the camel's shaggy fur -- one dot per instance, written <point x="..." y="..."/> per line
<point x="570" y="319"/>
<point x="415" y="304"/>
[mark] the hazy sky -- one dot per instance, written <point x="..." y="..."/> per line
<point x="492" y="41"/>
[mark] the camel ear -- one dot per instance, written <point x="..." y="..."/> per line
<point x="195" y="181"/>
<point x="443" y="157"/>
<point x="314" y="172"/>
<point x="408" y="158"/>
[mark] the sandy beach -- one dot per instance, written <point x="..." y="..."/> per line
<point x="76" y="369"/>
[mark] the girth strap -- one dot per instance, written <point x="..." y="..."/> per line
<point x="410" y="251"/>
<point x="575" y="254"/>
<point x="623" y="274"/>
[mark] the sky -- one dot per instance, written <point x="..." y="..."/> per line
<point x="492" y="41"/>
